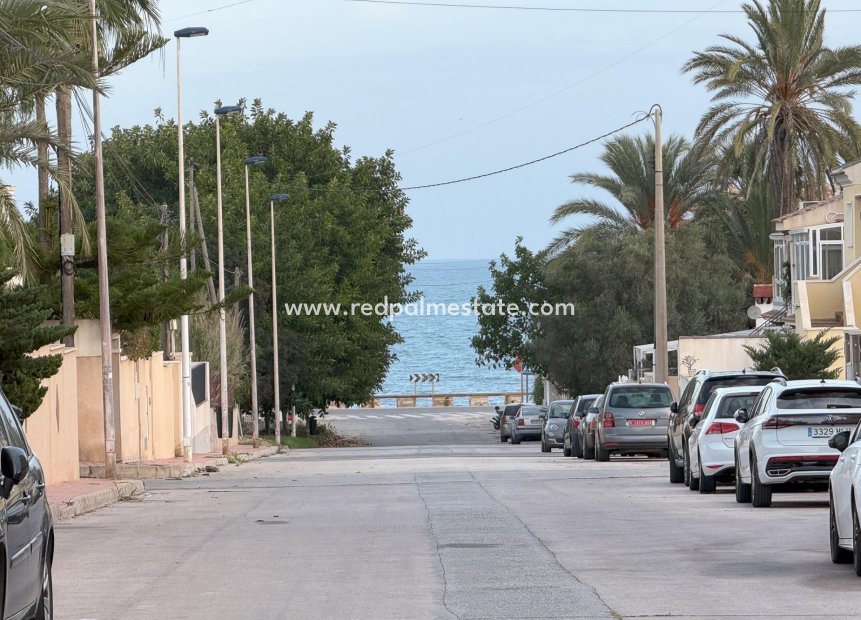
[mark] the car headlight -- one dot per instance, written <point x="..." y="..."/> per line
<point x="552" y="428"/>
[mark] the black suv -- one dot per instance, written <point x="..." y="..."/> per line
<point x="26" y="530"/>
<point x="693" y="400"/>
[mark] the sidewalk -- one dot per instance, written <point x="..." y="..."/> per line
<point x="70" y="499"/>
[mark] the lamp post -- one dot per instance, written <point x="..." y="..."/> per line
<point x="275" y="376"/>
<point x="255" y="427"/>
<point x="222" y="322"/>
<point x="187" y="423"/>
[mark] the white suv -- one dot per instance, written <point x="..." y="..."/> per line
<point x="785" y="437"/>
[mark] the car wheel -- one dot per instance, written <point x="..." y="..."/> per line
<point x="587" y="451"/>
<point x="544" y="446"/>
<point x="677" y="474"/>
<point x="566" y="449"/>
<point x="839" y="555"/>
<point x="856" y="541"/>
<point x="45" y="610"/>
<point x="687" y="469"/>
<point x="742" y="490"/>
<point x="514" y="438"/>
<point x="503" y="438"/>
<point x="575" y="449"/>
<point x="601" y="454"/>
<point x="760" y="494"/>
<point x="708" y="484"/>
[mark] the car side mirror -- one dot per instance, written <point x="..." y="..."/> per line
<point x="741" y="415"/>
<point x="674" y="407"/>
<point x="693" y="420"/>
<point x="14" y="465"/>
<point x="840" y="441"/>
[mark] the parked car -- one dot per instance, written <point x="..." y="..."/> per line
<point x="571" y="443"/>
<point x="554" y="425"/>
<point x="633" y="420"/>
<point x="528" y="422"/>
<point x="508" y="414"/>
<point x="785" y="435"/>
<point x="27" y="531"/>
<point x="844" y="493"/>
<point x="587" y="428"/>
<point x="693" y="400"/>
<point x="712" y="440"/>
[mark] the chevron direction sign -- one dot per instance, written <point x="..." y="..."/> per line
<point x="424" y="377"/>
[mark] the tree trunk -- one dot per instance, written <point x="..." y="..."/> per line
<point x="781" y="177"/>
<point x="42" y="146"/>
<point x="64" y="165"/>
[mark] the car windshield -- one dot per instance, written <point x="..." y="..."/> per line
<point x="596" y="406"/>
<point x="819" y="398"/>
<point x="724" y="382"/>
<point x="640" y="397"/>
<point x="532" y="411"/>
<point x="584" y="403"/>
<point x="560" y="410"/>
<point x="733" y="403"/>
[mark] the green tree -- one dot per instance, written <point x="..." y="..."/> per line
<point x="811" y="358"/>
<point x="609" y="277"/>
<point x="787" y="94"/>
<point x="689" y="177"/>
<point x="502" y="336"/>
<point x="23" y="311"/>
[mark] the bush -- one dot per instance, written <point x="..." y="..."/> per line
<point x="797" y="358"/>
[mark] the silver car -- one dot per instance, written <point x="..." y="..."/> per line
<point x="505" y="421"/>
<point x="527" y="424"/>
<point x="633" y="420"/>
<point x="554" y="426"/>
<point x="571" y="440"/>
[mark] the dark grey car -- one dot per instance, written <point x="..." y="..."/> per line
<point x="588" y="427"/>
<point x="26" y="529"/>
<point x="633" y="420"/>
<point x="554" y="425"/>
<point x="571" y="441"/>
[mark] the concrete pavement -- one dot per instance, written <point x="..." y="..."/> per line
<point x="445" y="530"/>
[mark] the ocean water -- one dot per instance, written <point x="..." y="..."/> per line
<point x="441" y="343"/>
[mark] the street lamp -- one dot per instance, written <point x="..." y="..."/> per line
<point x="275" y="377"/>
<point x="187" y="419"/>
<point x="222" y="323"/>
<point x="255" y="429"/>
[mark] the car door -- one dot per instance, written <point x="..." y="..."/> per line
<point x="743" y="439"/>
<point x="677" y="419"/>
<point x="841" y="485"/>
<point x="21" y="582"/>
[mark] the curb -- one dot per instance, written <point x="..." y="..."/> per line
<point x="88" y="502"/>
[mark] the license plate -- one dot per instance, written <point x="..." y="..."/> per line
<point x="641" y="422"/>
<point x="825" y="431"/>
<point x="534" y="422"/>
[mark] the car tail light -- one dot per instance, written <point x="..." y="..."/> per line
<point x="718" y="428"/>
<point x="521" y="422"/>
<point x="699" y="409"/>
<point x="609" y="420"/>
<point x="575" y="423"/>
<point x="778" y="422"/>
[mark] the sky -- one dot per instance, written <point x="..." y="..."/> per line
<point x="455" y="92"/>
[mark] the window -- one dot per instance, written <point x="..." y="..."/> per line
<point x="780" y="258"/>
<point x="801" y="255"/>
<point x="829" y="398"/>
<point x="11" y="423"/>
<point x="642" y="397"/>
<point x="733" y="403"/>
<point x="583" y="404"/>
<point x="817" y="252"/>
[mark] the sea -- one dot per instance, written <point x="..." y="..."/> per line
<point x="437" y="343"/>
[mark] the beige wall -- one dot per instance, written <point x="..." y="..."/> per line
<point x="721" y="353"/>
<point x="824" y="297"/>
<point x="91" y="426"/>
<point x="52" y="430"/>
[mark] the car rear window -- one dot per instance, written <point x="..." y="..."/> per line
<point x="813" y="398"/>
<point x="560" y="410"/>
<point x="640" y="397"/>
<point x="511" y="410"/>
<point x="532" y="411"/>
<point x="733" y="403"/>
<point x="584" y="403"/>
<point x="740" y="381"/>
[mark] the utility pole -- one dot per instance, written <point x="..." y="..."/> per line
<point x="67" y="233"/>
<point x="660" y="358"/>
<point x="104" y="291"/>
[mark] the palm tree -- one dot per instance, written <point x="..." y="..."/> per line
<point x="688" y="183"/>
<point x="787" y="93"/>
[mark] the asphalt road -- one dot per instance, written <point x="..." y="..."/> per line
<point x="447" y="530"/>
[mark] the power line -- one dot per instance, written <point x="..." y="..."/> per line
<point x="212" y="10"/>
<point x="532" y="162"/>
<point x="553" y="9"/>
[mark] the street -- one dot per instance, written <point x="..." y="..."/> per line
<point x="446" y="529"/>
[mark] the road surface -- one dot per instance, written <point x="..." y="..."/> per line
<point x="424" y="525"/>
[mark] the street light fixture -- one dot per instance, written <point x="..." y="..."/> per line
<point x="222" y="316"/>
<point x="187" y="418"/>
<point x="275" y="376"/>
<point x="255" y="427"/>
